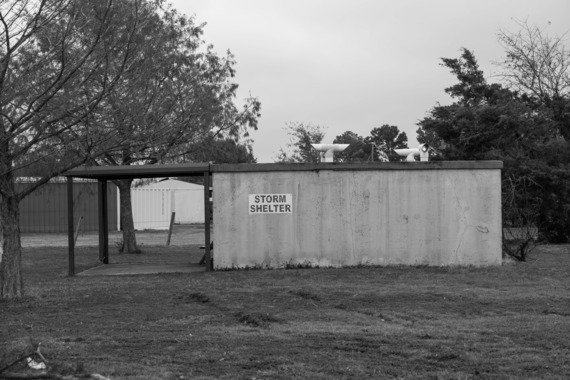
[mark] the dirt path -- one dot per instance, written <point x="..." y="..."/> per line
<point x="181" y="235"/>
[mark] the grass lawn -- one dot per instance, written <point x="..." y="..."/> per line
<point x="509" y="322"/>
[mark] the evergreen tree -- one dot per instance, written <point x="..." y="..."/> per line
<point x="489" y="122"/>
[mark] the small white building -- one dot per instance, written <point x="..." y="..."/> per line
<point x="153" y="204"/>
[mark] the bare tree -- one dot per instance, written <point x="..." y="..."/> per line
<point x="520" y="217"/>
<point x="181" y="98"/>
<point x="58" y="60"/>
<point x="535" y="62"/>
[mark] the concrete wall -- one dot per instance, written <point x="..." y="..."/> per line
<point x="342" y="215"/>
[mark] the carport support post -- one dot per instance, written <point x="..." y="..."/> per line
<point x="207" y="215"/>
<point x="70" y="237"/>
<point x="103" y="223"/>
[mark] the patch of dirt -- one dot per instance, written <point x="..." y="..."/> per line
<point x="306" y="295"/>
<point x="256" y="319"/>
<point x="195" y="297"/>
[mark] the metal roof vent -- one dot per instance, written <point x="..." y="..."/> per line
<point x="327" y="150"/>
<point x="422" y="151"/>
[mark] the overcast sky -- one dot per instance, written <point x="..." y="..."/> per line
<point x="355" y="65"/>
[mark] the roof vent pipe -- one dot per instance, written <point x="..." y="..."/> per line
<point x="422" y="151"/>
<point x="327" y="150"/>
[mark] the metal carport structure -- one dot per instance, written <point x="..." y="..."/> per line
<point x="103" y="174"/>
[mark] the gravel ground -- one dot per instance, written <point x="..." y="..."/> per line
<point x="182" y="235"/>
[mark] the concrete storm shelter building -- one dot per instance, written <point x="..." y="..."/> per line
<point x="411" y="213"/>
<point x="329" y="214"/>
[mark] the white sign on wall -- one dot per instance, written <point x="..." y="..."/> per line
<point x="270" y="203"/>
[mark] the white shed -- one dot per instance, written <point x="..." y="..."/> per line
<point x="153" y="204"/>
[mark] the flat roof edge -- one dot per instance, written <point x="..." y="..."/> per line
<point x="138" y="171"/>
<point x="198" y="169"/>
<point x="361" y="166"/>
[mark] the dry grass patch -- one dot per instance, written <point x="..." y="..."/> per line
<point x="380" y="322"/>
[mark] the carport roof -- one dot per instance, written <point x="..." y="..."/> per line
<point x="138" y="171"/>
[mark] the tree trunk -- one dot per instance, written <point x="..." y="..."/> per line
<point x="129" y="244"/>
<point x="11" y="284"/>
